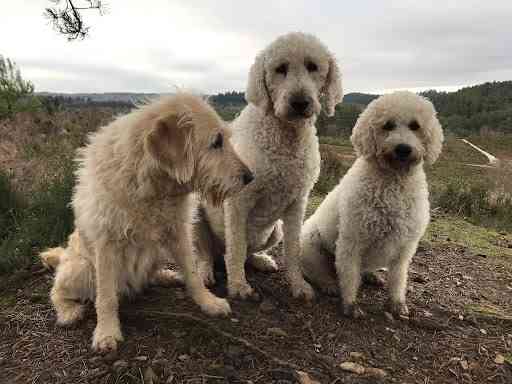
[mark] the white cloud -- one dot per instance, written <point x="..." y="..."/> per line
<point x="209" y="46"/>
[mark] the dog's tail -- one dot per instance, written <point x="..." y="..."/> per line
<point x="52" y="257"/>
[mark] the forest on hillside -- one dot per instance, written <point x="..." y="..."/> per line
<point x="484" y="108"/>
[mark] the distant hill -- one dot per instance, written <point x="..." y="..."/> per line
<point x="481" y="108"/>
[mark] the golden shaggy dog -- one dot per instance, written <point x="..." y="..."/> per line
<point x="133" y="207"/>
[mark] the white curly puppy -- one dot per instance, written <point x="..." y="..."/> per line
<point x="133" y="206"/>
<point x="377" y="214"/>
<point x="276" y="137"/>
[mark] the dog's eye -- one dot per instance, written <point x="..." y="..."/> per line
<point x="311" y="67"/>
<point x="218" y="142"/>
<point x="389" y="126"/>
<point x="282" y="69"/>
<point x="414" y="125"/>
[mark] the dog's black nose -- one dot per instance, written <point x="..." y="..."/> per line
<point x="403" y="151"/>
<point x="247" y="177"/>
<point x="300" y="104"/>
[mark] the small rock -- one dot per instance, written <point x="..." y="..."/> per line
<point x="356" y="355"/>
<point x="483" y="331"/>
<point x="267" y="307"/>
<point x="464" y="364"/>
<point x="352" y="367"/>
<point x="119" y="365"/>
<point x="375" y="372"/>
<point x="461" y="317"/>
<point x="500" y="359"/>
<point x="427" y="314"/>
<point x="275" y="331"/>
<point x="234" y="320"/>
<point x="389" y="316"/>
<point x="183" y="357"/>
<point x="140" y="358"/>
<point x="304" y="378"/>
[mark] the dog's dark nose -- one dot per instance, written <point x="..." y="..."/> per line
<point x="403" y="151"/>
<point x="247" y="177"/>
<point x="300" y="104"/>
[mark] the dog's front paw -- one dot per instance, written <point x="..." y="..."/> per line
<point x="106" y="340"/>
<point x="352" y="311"/>
<point x="398" y="309"/>
<point x="242" y="291"/>
<point x="263" y="262"/>
<point x="302" y="290"/>
<point x="215" y="306"/>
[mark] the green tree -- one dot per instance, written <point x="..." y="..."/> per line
<point x="16" y="94"/>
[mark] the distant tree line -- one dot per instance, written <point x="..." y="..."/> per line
<point x="482" y="108"/>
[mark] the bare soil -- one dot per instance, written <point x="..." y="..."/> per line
<point x="460" y="325"/>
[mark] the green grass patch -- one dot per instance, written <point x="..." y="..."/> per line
<point x="45" y="220"/>
<point x="461" y="232"/>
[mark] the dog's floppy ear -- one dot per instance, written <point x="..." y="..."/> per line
<point x="257" y="91"/>
<point x="434" y="138"/>
<point x="363" y="136"/>
<point x="333" y="89"/>
<point x="168" y="142"/>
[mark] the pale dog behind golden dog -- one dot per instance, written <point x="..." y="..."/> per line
<point x="133" y="206"/>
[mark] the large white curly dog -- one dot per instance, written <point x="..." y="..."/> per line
<point x="377" y="214"/>
<point x="276" y="137"/>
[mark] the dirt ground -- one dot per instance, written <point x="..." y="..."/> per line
<point x="459" y="331"/>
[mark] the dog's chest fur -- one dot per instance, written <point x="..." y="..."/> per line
<point x="286" y="163"/>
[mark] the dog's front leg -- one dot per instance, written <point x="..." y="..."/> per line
<point x="348" y="268"/>
<point x="108" y="328"/>
<point x="187" y="260"/>
<point x="292" y="221"/>
<point x="397" y="279"/>
<point x="235" y="218"/>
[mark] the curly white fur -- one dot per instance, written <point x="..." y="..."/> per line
<point x="281" y="147"/>
<point x="377" y="214"/>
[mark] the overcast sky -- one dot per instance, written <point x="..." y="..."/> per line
<point x="207" y="45"/>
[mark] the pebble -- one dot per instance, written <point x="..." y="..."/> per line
<point x="500" y="359"/>
<point x="356" y="355"/>
<point x="183" y="357"/>
<point x="352" y="367"/>
<point x="275" y="331"/>
<point x="140" y="358"/>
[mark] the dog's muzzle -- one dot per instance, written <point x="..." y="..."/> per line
<point x="403" y="152"/>
<point x="301" y="106"/>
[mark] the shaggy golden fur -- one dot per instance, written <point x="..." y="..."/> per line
<point x="133" y="206"/>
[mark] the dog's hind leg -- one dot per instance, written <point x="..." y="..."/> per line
<point x="74" y="283"/>
<point x="317" y="265"/>
<point x="348" y="267"/>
